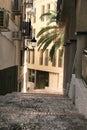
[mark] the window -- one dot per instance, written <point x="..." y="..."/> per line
<point x="1" y="18"/>
<point x="16" y="6"/>
<point x="54" y="61"/>
<point x="29" y="56"/>
<point x="33" y="57"/>
<point x="4" y="19"/>
<point x="46" y="57"/>
<point x="48" y="9"/>
<point x="42" y="11"/>
<point x="31" y="75"/>
<point x="41" y="57"/>
<point x="60" y="59"/>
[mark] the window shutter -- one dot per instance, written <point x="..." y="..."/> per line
<point x="1" y="18"/>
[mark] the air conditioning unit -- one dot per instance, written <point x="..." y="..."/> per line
<point x="16" y="7"/>
<point x="16" y="35"/>
<point x="4" y="19"/>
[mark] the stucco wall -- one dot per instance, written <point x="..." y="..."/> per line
<point x="7" y="53"/>
<point x="78" y="94"/>
<point x="5" y="4"/>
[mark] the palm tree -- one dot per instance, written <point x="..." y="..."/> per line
<point x="53" y="34"/>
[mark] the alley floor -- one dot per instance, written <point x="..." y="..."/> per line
<point x="39" y="111"/>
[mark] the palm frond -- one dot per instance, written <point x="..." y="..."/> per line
<point x="49" y="41"/>
<point x="50" y="36"/>
<point x="53" y="12"/>
<point x="51" y="21"/>
<point x="53" y="49"/>
<point x="46" y="15"/>
<point x="42" y="39"/>
<point x="51" y="16"/>
<point x="45" y="29"/>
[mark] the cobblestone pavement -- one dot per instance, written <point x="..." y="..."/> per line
<point x="39" y="112"/>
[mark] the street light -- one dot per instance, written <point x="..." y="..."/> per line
<point x="33" y="44"/>
<point x="26" y="48"/>
<point x="29" y="37"/>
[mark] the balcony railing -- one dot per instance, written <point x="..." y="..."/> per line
<point x="84" y="65"/>
<point x="27" y="29"/>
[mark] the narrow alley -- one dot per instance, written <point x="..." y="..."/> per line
<point x="37" y="111"/>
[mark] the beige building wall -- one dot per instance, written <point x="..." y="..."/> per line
<point x="55" y="72"/>
<point x="9" y="48"/>
<point x="7" y="57"/>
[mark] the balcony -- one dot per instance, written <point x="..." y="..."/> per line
<point x="27" y="30"/>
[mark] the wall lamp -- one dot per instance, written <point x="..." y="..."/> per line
<point x="33" y="44"/>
